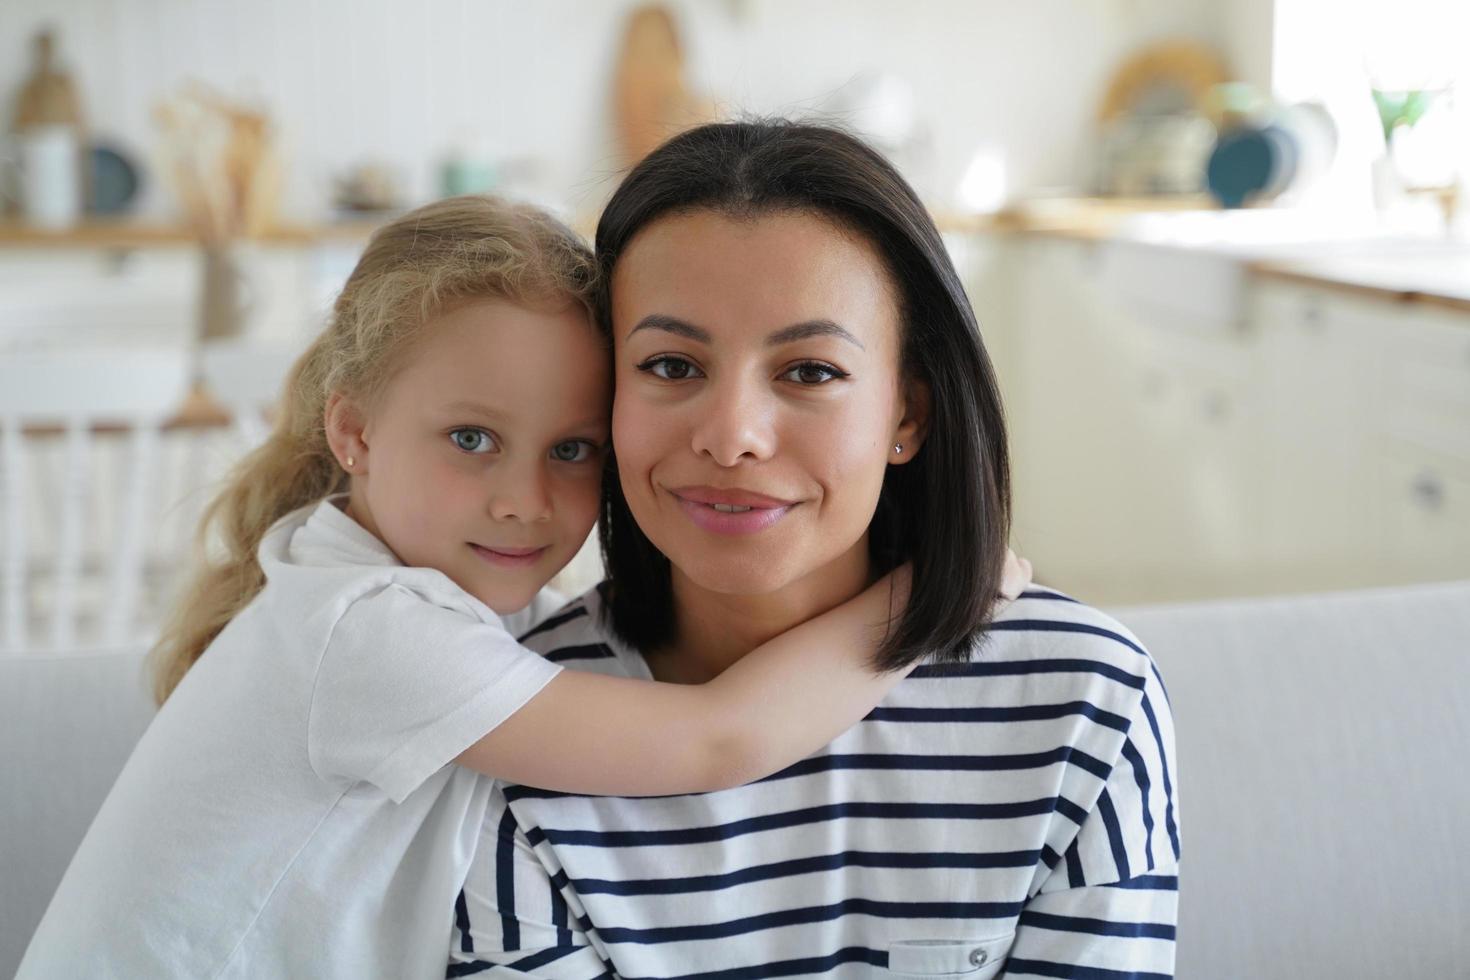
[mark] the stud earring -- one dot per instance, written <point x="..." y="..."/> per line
<point x="351" y="462"/>
<point x="898" y="448"/>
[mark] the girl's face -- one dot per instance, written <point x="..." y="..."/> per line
<point x="483" y="456"/>
<point x="759" y="397"/>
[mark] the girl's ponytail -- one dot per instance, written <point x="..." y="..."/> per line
<point x="293" y="468"/>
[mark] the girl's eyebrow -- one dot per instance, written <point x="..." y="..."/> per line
<point x="786" y="335"/>
<point x="473" y="408"/>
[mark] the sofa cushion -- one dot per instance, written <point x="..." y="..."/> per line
<point x="1324" y="789"/>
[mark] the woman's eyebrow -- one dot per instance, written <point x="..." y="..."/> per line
<point x="812" y="328"/>
<point x="786" y="335"/>
<point x="673" y="325"/>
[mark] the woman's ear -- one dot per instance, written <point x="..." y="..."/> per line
<point x="913" y="426"/>
<point x="345" y="423"/>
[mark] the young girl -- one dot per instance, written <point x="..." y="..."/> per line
<point x="291" y="810"/>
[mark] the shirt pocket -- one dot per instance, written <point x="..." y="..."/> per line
<point x="972" y="959"/>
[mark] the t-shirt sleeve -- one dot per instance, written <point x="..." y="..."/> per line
<point x="405" y="685"/>
<point x="1110" y="905"/>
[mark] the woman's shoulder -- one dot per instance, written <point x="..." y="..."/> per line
<point x="1045" y="631"/>
<point x="578" y="635"/>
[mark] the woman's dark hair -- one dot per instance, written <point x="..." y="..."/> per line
<point x="948" y="510"/>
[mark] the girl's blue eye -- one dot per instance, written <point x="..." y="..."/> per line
<point x="573" y="451"/>
<point x="813" y="373"/>
<point x="476" y="441"/>
<point x="669" y="368"/>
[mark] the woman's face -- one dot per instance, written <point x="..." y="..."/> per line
<point x="758" y="397"/>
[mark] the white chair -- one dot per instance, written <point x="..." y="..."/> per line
<point x="246" y="377"/>
<point x="59" y="413"/>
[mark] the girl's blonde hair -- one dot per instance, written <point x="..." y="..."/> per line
<point x="418" y="266"/>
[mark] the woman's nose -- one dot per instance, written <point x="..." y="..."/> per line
<point x="521" y="493"/>
<point x="734" y="422"/>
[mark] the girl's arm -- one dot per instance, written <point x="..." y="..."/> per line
<point x="590" y="733"/>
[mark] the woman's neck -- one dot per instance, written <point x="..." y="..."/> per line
<point x="713" y="630"/>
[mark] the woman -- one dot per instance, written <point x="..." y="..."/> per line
<point x="803" y="402"/>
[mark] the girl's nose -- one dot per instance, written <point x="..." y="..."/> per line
<point x="521" y="493"/>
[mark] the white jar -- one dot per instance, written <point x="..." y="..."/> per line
<point x="50" y="179"/>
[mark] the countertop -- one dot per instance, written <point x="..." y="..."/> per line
<point x="1441" y="279"/>
<point x="1274" y="244"/>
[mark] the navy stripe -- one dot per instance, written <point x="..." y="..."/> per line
<point x="943" y="763"/>
<point x="532" y="962"/>
<point x="586" y="651"/>
<point x="1032" y="712"/>
<point x="1150" y="883"/>
<point x="801" y="866"/>
<point x="1056" y="596"/>
<point x="896" y="760"/>
<point x="1008" y="668"/>
<point x="1053" y="626"/>
<point x="1109" y="816"/>
<point x="1075" y="877"/>
<point x="1049" y="857"/>
<point x="1140" y="776"/>
<point x="1169" y="824"/>
<point x="1160" y="678"/>
<point x="539" y="959"/>
<point x="462" y="920"/>
<point x="552" y="622"/>
<point x="560" y="917"/>
<point x="788" y="968"/>
<point x="505" y="883"/>
<point x="805" y="916"/>
<point x="1071" y="811"/>
<point x="1071" y="971"/>
<point x="794" y="818"/>
<point x="1098" y="927"/>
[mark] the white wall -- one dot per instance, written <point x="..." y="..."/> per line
<point x="351" y="80"/>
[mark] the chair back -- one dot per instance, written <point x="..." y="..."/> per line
<point x="79" y="438"/>
<point x="246" y="377"/>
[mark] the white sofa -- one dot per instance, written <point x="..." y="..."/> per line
<point x="1324" y="749"/>
<point x="1324" y="788"/>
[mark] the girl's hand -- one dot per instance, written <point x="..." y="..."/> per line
<point x="1016" y="577"/>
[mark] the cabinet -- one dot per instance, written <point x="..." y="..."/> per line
<point x="1272" y="437"/>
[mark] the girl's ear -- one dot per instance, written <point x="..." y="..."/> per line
<point x="344" y="422"/>
<point x="913" y="426"/>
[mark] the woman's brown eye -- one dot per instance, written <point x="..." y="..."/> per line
<point x="669" y="368"/>
<point x="814" y="374"/>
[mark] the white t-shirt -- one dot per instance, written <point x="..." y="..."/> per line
<point x="291" y="811"/>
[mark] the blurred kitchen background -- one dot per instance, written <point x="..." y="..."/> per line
<point x="1220" y="249"/>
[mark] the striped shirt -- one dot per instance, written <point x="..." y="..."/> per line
<point x="1013" y="814"/>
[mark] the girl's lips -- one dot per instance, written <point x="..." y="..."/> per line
<point x="757" y="518"/>
<point x="509" y="557"/>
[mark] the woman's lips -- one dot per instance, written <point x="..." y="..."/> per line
<point x="509" y="557"/>
<point x="730" y="511"/>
